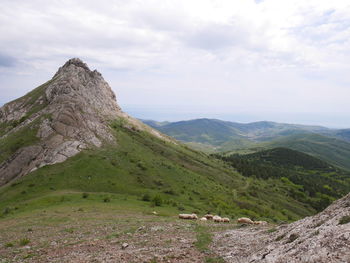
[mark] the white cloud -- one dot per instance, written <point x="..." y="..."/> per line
<point x="241" y="51"/>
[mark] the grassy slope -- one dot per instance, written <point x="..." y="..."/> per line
<point x="29" y="101"/>
<point x="183" y="179"/>
<point x="319" y="182"/>
<point x="334" y="151"/>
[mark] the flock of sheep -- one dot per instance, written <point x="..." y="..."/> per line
<point x="218" y="219"/>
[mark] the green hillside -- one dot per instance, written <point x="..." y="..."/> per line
<point x="152" y="172"/>
<point x="332" y="150"/>
<point x="212" y="135"/>
<point x="319" y="181"/>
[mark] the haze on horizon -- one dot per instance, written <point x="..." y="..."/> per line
<point x="284" y="61"/>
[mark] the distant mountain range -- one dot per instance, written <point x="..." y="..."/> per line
<point x="212" y="135"/>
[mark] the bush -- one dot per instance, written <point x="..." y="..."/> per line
<point x="157" y="200"/>
<point x="344" y="220"/>
<point x="24" y="241"/>
<point x="146" y="197"/>
<point x="9" y="244"/>
<point x="6" y="210"/>
<point x="106" y="199"/>
<point x="85" y="195"/>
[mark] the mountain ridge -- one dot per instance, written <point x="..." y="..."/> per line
<point x="212" y="135"/>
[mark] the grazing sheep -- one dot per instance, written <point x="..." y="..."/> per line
<point x="217" y="218"/>
<point x="226" y="220"/>
<point x="203" y="219"/>
<point x="260" y="223"/>
<point x="245" y="220"/>
<point x="188" y="216"/>
<point x="209" y="216"/>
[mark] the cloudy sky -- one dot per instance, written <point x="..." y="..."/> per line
<point x="239" y="60"/>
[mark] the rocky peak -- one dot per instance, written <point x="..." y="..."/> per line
<point x="70" y="112"/>
<point x="76" y="82"/>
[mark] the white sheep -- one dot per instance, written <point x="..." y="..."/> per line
<point x="260" y="223"/>
<point x="209" y="216"/>
<point x="188" y="216"/>
<point x="226" y="220"/>
<point x="203" y="219"/>
<point x="217" y="219"/>
<point x="245" y="220"/>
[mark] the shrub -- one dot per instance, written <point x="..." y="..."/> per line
<point x="344" y="220"/>
<point x="106" y="199"/>
<point x="24" y="241"/>
<point x="146" y="197"/>
<point x="157" y="200"/>
<point x="6" y="210"/>
<point x="181" y="208"/>
<point x="85" y="195"/>
<point x="9" y="244"/>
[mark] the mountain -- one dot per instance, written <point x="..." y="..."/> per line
<point x="213" y="135"/>
<point x="69" y="137"/>
<point x="217" y="132"/>
<point x="332" y="150"/>
<point x="83" y="181"/>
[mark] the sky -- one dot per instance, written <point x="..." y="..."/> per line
<point x="237" y="60"/>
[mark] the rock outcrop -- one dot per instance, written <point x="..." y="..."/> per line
<point x="323" y="238"/>
<point x="71" y="112"/>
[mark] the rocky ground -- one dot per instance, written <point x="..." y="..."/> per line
<point x="87" y="236"/>
<point x="324" y="237"/>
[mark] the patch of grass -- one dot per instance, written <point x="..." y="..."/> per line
<point x="344" y="220"/>
<point x="106" y="199"/>
<point x="24" y="137"/>
<point x="292" y="237"/>
<point x="280" y="237"/>
<point x="69" y="230"/>
<point x="9" y="244"/>
<point x="214" y="260"/>
<point x="204" y="238"/>
<point x="24" y="241"/>
<point x="271" y="230"/>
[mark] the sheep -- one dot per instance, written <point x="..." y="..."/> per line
<point x="209" y="216"/>
<point x="203" y="219"/>
<point x="217" y="219"/>
<point x="245" y="220"/>
<point x="226" y="220"/>
<point x="260" y="223"/>
<point x="188" y="216"/>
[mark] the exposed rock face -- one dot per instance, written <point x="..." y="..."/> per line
<point x="71" y="112"/>
<point x="323" y="238"/>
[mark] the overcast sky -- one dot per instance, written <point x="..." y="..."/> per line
<point x="238" y="60"/>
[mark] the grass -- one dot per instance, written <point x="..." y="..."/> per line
<point x="204" y="238"/>
<point x="163" y="174"/>
<point x="9" y="244"/>
<point x="344" y="220"/>
<point x="24" y="137"/>
<point x="214" y="260"/>
<point x="24" y="241"/>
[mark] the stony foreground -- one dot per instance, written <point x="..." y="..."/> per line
<point x="324" y="237"/>
<point x="103" y="234"/>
